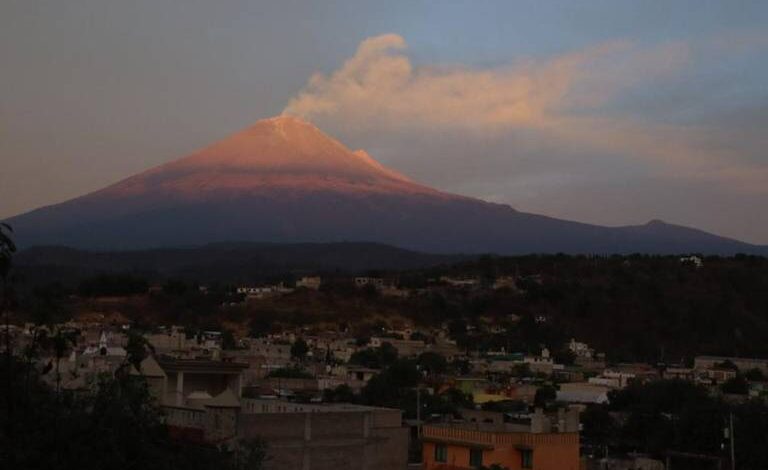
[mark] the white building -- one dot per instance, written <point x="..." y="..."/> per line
<point x="369" y="281"/>
<point x="460" y="282"/>
<point x="581" y="350"/>
<point x="309" y="282"/>
<point x="694" y="260"/>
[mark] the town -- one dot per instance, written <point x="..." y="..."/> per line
<point x="332" y="371"/>
<point x="400" y="235"/>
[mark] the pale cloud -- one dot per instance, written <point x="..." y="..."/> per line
<point x="596" y="120"/>
<point x="380" y="86"/>
<point x="562" y="97"/>
<point x="669" y="150"/>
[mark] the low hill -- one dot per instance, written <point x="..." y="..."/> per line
<point x="225" y="262"/>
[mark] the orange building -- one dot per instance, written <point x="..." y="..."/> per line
<point x="540" y="445"/>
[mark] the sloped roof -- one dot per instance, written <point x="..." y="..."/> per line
<point x="199" y="395"/>
<point x="225" y="399"/>
<point x="150" y="368"/>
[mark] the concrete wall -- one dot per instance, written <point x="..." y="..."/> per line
<point x="744" y="364"/>
<point x="364" y="440"/>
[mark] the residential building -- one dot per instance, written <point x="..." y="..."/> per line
<point x="184" y="376"/>
<point x="582" y="392"/>
<point x="299" y="436"/>
<point x="505" y="282"/>
<point x="262" y="292"/>
<point x="679" y="373"/>
<point x="369" y="281"/>
<point x="169" y="340"/>
<point x="309" y="282"/>
<point x="580" y="350"/>
<point x="613" y="379"/>
<point x="465" y="282"/>
<point x="694" y="260"/>
<point x="405" y="347"/>
<point x="541" y="443"/>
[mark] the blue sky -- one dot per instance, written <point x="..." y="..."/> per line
<point x="607" y="112"/>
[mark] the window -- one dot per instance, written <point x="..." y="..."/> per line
<point x="526" y="458"/>
<point x="441" y="453"/>
<point x="475" y="458"/>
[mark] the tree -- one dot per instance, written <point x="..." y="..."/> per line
<point x="378" y="358"/>
<point x="299" y="349"/>
<point x="341" y="394"/>
<point x="564" y="356"/>
<point x="664" y="415"/>
<point x="432" y="362"/>
<point x="457" y="399"/>
<point x="522" y="370"/>
<point x="506" y="406"/>
<point x="137" y="348"/>
<point x="737" y="386"/>
<point x="544" y="395"/>
<point x="419" y="336"/>
<point x="228" y="340"/>
<point x="367" y="357"/>
<point x="48" y="304"/>
<point x="387" y="354"/>
<point x="394" y="387"/>
<point x="248" y="454"/>
<point x="726" y="365"/>
<point x="261" y="325"/>
<point x="754" y="375"/>
<point x="117" y="425"/>
<point x="7" y="249"/>
<point x="175" y="287"/>
<point x="109" y="284"/>
<point x="599" y="427"/>
<point x="61" y="342"/>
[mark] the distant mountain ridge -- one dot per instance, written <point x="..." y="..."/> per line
<point x="283" y="180"/>
<point x="225" y="262"/>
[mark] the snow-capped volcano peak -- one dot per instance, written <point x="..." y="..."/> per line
<point x="284" y="180"/>
<point x="280" y="152"/>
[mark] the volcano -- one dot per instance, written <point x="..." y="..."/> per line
<point x="284" y="180"/>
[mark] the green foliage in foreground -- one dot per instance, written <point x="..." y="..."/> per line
<point x="679" y="416"/>
<point x="396" y="387"/>
<point x="115" y="427"/>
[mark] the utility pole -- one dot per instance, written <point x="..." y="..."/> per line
<point x="418" y="411"/>
<point x="732" y="439"/>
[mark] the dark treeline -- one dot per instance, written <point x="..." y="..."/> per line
<point x="633" y="308"/>
<point x="649" y="308"/>
<point x="672" y="416"/>
<point x="243" y="262"/>
<point x="112" y="284"/>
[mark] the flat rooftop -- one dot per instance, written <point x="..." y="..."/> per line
<point x="169" y="364"/>
<point x="267" y="405"/>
